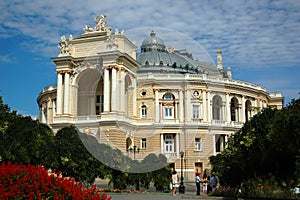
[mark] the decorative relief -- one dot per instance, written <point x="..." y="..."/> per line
<point x="111" y="43"/>
<point x="196" y="94"/>
<point x="64" y="46"/>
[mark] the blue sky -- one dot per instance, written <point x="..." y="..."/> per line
<point x="260" y="39"/>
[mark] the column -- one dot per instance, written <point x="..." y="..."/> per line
<point x="59" y="93"/>
<point x="255" y="106"/>
<point x="134" y="96"/>
<point x="209" y="109"/>
<point x="214" y="144"/>
<point x="162" y="143"/>
<point x="122" y="92"/>
<point x="156" y="106"/>
<point x="66" y="93"/>
<point x="53" y="109"/>
<point x="204" y="109"/>
<point x="176" y="111"/>
<point x="177" y="144"/>
<point x="243" y="117"/>
<point x="181" y="116"/>
<point x="188" y="109"/>
<point x="106" y="91"/>
<point x="228" y="115"/>
<point x="113" y="89"/>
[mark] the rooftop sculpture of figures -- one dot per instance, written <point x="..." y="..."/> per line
<point x="100" y="21"/>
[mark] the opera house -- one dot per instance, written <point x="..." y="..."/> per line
<point x="156" y="100"/>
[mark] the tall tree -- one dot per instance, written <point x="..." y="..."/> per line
<point x="266" y="147"/>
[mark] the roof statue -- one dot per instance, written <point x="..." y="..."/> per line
<point x="100" y="25"/>
<point x="64" y="46"/>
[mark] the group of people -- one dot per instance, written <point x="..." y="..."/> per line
<point x="209" y="183"/>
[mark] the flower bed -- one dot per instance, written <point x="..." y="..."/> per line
<point x="30" y="182"/>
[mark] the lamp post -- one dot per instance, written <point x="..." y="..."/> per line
<point x="181" y="187"/>
<point x="134" y="149"/>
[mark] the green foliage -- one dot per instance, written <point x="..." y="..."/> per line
<point x="267" y="147"/>
<point x="73" y="159"/>
<point x="75" y="154"/>
<point x="23" y="139"/>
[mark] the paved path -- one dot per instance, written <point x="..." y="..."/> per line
<point x="151" y="194"/>
<point x="163" y="196"/>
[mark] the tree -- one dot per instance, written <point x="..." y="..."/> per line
<point x="73" y="159"/>
<point x="23" y="139"/>
<point x="267" y="147"/>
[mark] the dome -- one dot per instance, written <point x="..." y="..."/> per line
<point x="153" y="43"/>
<point x="154" y="57"/>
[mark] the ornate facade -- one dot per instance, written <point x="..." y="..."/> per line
<point x="156" y="101"/>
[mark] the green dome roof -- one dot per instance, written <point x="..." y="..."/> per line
<point x="156" y="59"/>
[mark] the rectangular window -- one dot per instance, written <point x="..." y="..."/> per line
<point x="169" y="112"/>
<point x="169" y="143"/>
<point x="144" y="143"/>
<point x="195" y="111"/>
<point x="98" y="99"/>
<point x="197" y="144"/>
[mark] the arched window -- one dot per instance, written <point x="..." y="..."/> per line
<point x="247" y="110"/>
<point x="169" y="106"/>
<point x="234" y="109"/>
<point x="143" y="111"/>
<point x="168" y="96"/>
<point x="217" y="107"/>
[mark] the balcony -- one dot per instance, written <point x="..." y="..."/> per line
<point x="88" y="118"/>
<point x="218" y="122"/>
<point x="169" y="121"/>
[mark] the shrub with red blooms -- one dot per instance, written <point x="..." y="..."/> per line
<point x="30" y="182"/>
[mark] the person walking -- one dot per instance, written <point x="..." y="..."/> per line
<point x="175" y="182"/>
<point x="198" y="180"/>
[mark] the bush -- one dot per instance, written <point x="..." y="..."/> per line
<point x="30" y="182"/>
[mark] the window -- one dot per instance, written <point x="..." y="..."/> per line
<point x="169" y="143"/>
<point x="168" y="112"/>
<point x="197" y="144"/>
<point x="248" y="110"/>
<point x="220" y="143"/>
<point x="195" y="111"/>
<point x="168" y="96"/>
<point x="144" y="111"/>
<point x="98" y="99"/>
<point x="144" y="143"/>
<point x="234" y="109"/>
<point x="168" y="105"/>
<point x="99" y="103"/>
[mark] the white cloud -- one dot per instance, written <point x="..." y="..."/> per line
<point x="256" y="32"/>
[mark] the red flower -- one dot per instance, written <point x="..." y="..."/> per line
<point x="30" y="182"/>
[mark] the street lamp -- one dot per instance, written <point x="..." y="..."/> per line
<point x="181" y="187"/>
<point x="134" y="149"/>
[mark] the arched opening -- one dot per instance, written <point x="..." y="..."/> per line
<point x="217" y="107"/>
<point x="143" y="111"/>
<point x="234" y="108"/>
<point x="128" y="143"/>
<point x="90" y="85"/>
<point x="247" y="110"/>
